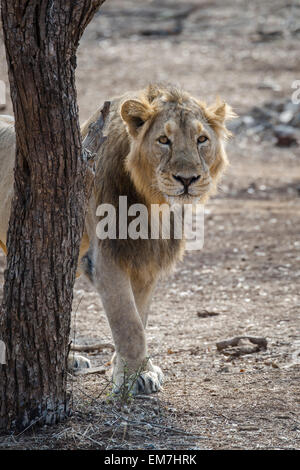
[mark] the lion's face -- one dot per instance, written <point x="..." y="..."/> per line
<point x="177" y="151"/>
<point x="182" y="148"/>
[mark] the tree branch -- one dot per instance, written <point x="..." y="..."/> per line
<point x="82" y="15"/>
<point x="91" y="146"/>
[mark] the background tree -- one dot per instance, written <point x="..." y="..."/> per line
<point x="41" y="38"/>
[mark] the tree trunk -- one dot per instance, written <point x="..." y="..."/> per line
<point x="47" y="218"/>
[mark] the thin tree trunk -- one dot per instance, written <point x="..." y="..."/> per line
<point x="41" y="38"/>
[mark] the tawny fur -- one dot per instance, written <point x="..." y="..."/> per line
<point x="133" y="162"/>
<point x="127" y="165"/>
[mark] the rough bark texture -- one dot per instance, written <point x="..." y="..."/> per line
<point x="47" y="217"/>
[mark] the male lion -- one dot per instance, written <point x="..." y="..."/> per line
<point x="163" y="146"/>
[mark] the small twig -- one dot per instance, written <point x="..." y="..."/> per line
<point x="30" y="426"/>
<point x="206" y="314"/>
<point x="145" y="397"/>
<point x="262" y="342"/>
<point x="92" y="347"/>
<point x="161" y="426"/>
<point x="173" y="430"/>
<point x="94" y="400"/>
<point x="78" y="434"/>
<point x="90" y="370"/>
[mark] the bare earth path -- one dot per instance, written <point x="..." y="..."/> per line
<point x="247" y="275"/>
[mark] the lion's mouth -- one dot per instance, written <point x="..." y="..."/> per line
<point x="183" y="198"/>
<point x="181" y="195"/>
<point x="191" y="194"/>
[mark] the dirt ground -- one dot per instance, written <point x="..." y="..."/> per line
<point x="245" y="281"/>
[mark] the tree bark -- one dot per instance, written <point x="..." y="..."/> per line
<point x="47" y="218"/>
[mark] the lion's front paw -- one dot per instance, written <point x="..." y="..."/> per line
<point x="139" y="383"/>
<point x="148" y="382"/>
<point x="76" y="362"/>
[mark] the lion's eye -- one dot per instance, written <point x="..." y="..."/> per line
<point x="202" y="139"/>
<point x="163" y="139"/>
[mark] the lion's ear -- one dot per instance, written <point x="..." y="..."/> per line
<point x="222" y="111"/>
<point x="135" y="113"/>
<point x="218" y="114"/>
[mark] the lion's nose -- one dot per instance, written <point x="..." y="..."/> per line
<point x="186" y="181"/>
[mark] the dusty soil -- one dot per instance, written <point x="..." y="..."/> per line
<point x="248" y="271"/>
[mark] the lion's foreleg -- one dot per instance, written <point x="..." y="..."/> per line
<point x="143" y="295"/>
<point x="114" y="287"/>
<point x="131" y="365"/>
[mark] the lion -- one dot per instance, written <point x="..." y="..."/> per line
<point x="163" y="146"/>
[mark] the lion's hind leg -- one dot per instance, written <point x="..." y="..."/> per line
<point x="3" y="247"/>
<point x="76" y="362"/>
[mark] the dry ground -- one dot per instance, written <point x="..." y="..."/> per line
<point x="247" y="273"/>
